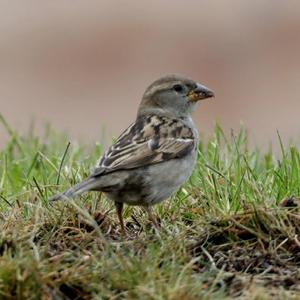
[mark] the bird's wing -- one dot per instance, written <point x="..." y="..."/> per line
<point x="150" y="140"/>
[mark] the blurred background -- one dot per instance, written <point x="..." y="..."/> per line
<point x="83" y="65"/>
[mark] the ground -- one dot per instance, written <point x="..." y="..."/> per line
<point x="232" y="231"/>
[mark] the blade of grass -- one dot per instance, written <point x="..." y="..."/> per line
<point x="38" y="187"/>
<point x="62" y="162"/>
<point x="11" y="133"/>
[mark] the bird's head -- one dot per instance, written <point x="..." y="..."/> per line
<point x="174" y="96"/>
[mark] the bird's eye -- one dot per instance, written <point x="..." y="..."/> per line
<point x="178" y="88"/>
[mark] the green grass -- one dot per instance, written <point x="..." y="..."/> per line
<point x="223" y="235"/>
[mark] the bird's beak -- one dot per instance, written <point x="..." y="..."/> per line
<point x="199" y="93"/>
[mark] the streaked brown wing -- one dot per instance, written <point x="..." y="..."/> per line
<point x="148" y="141"/>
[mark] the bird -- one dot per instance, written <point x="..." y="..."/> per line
<point x="155" y="155"/>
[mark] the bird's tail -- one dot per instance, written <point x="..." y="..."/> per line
<point x="76" y="190"/>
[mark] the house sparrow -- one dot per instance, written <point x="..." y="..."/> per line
<point x="155" y="155"/>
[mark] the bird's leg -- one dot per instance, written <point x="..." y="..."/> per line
<point x="119" y="208"/>
<point x="152" y="216"/>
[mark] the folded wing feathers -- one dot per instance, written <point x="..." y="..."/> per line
<point x="149" y="140"/>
